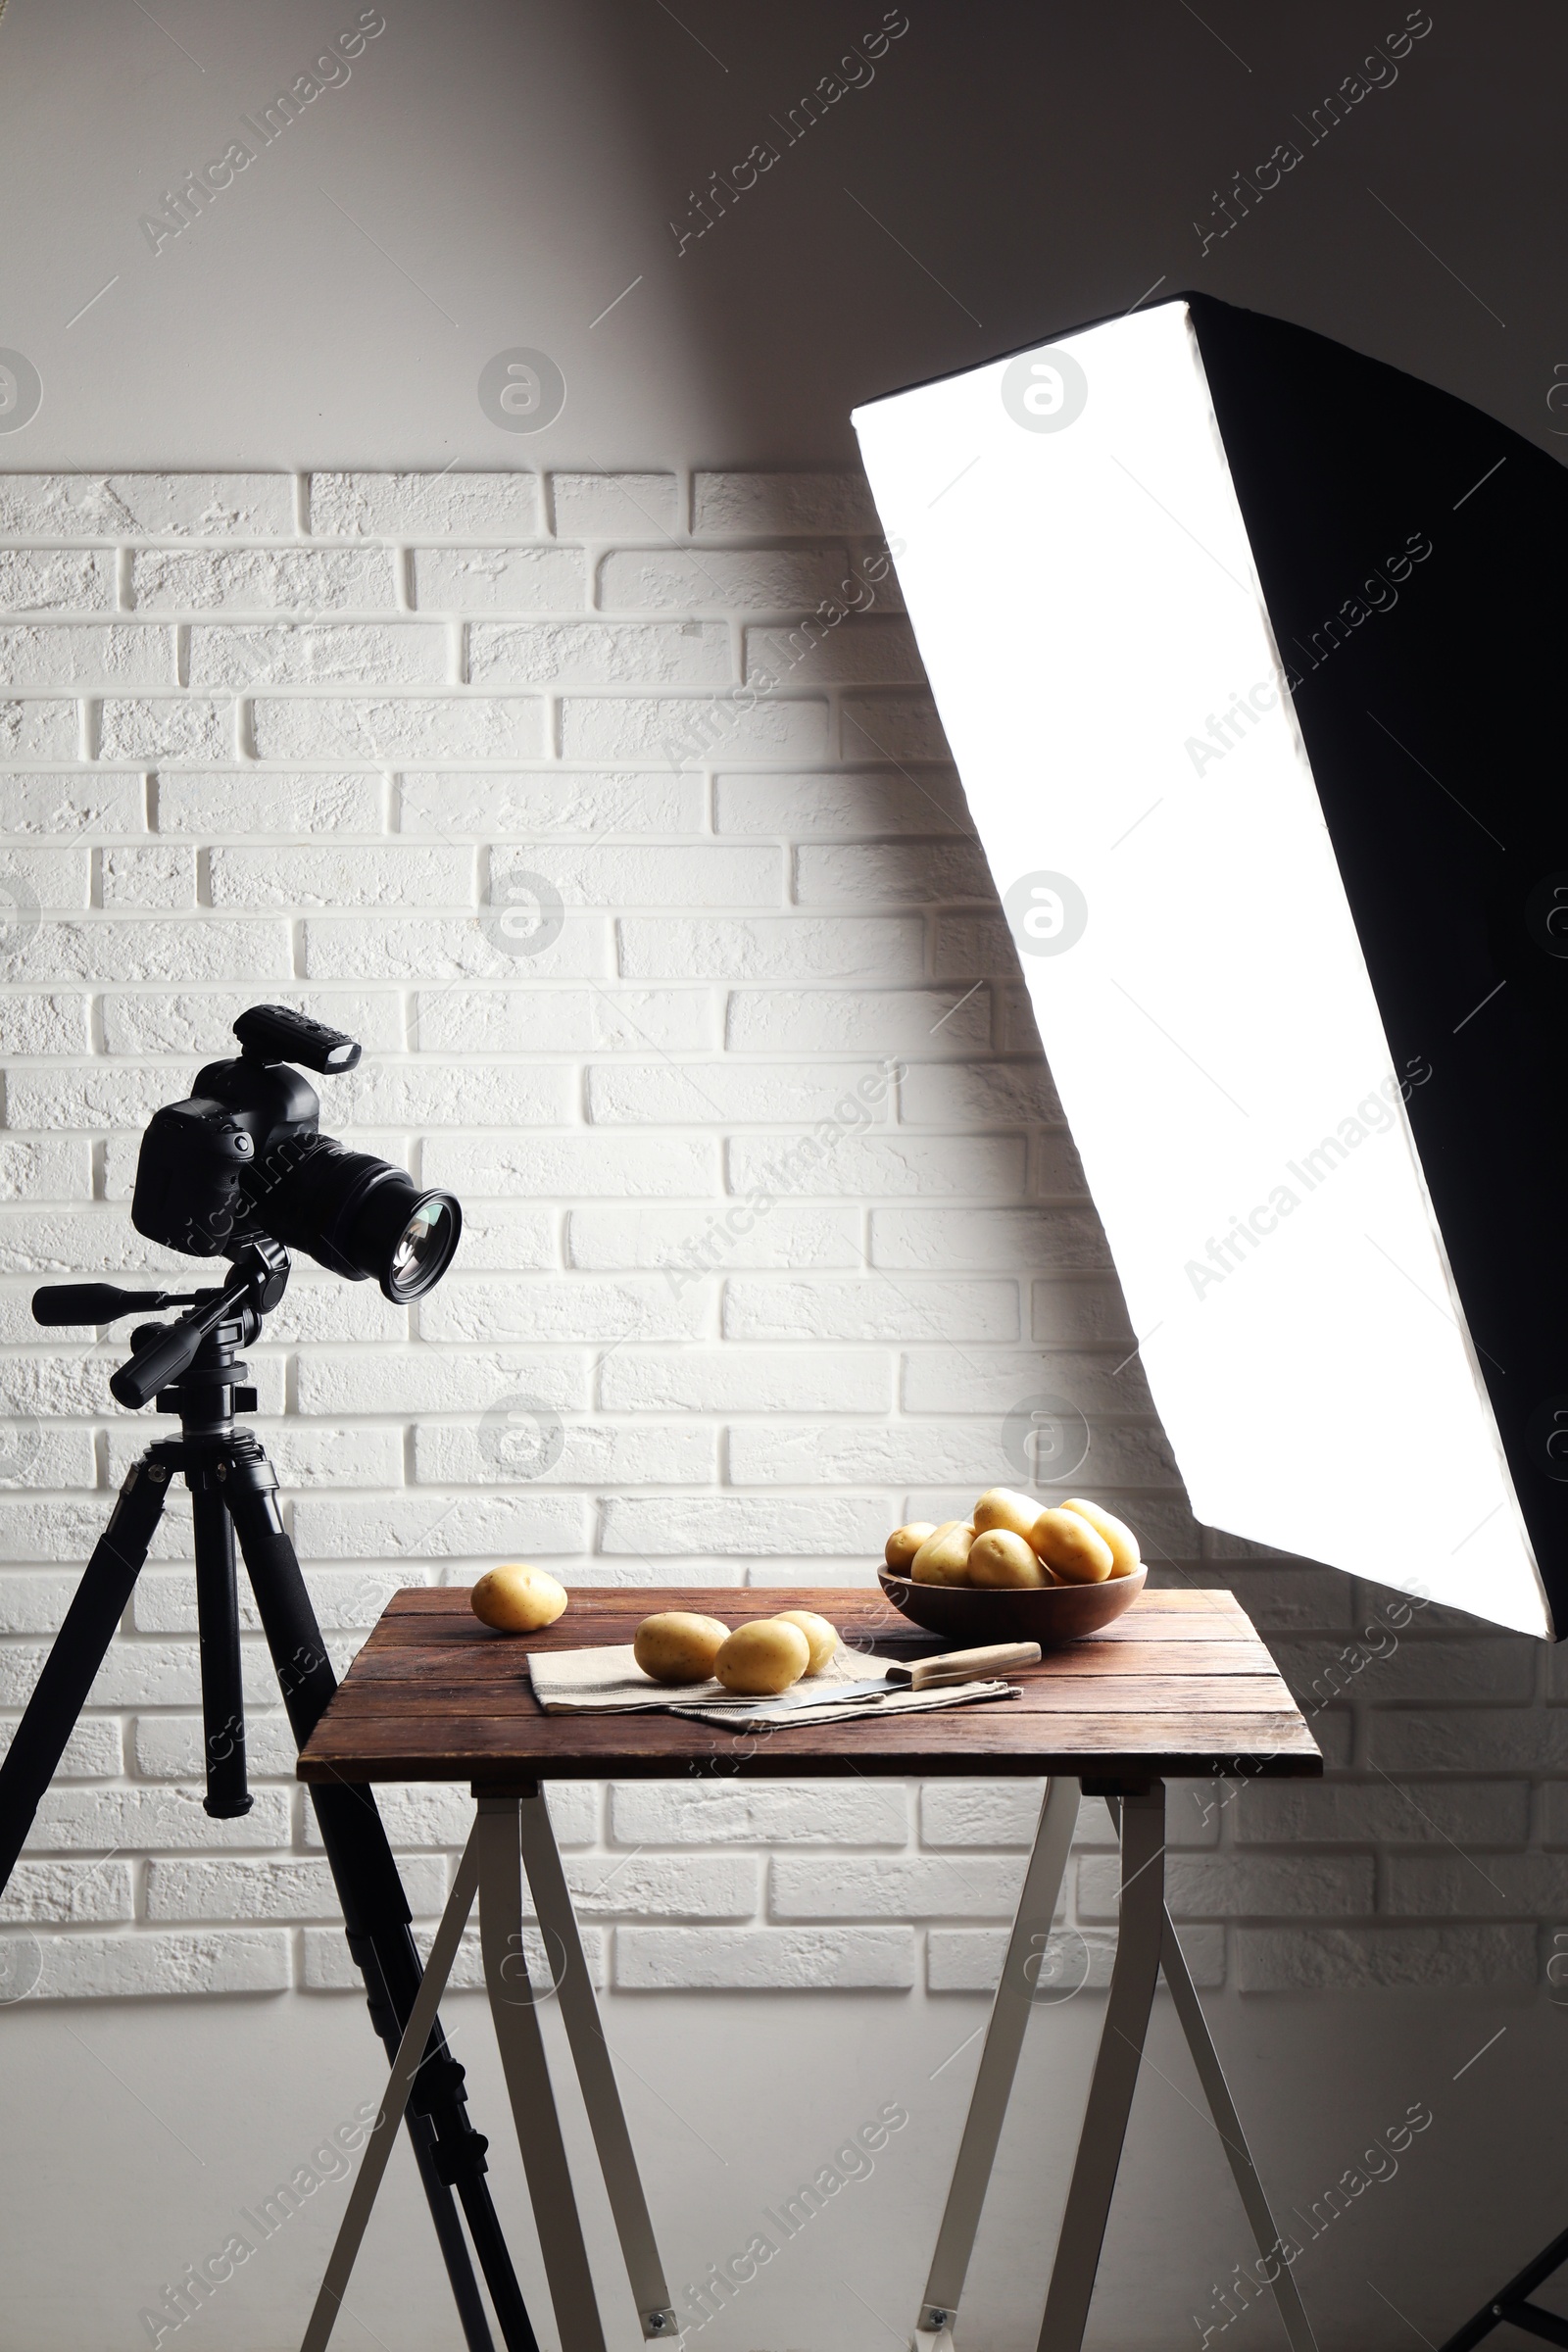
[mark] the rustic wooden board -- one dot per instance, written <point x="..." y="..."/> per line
<point x="494" y="1666"/>
<point x="1179" y="1686"/>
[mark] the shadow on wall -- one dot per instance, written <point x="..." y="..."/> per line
<point x="850" y="205"/>
<point x="721" y="232"/>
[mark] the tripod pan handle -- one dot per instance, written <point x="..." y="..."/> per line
<point x="93" y="1302"/>
<point x="164" y="1359"/>
<point x="156" y="1366"/>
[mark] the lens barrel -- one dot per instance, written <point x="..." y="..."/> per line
<point x="355" y="1214"/>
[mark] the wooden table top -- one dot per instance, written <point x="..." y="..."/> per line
<point x="1179" y="1686"/>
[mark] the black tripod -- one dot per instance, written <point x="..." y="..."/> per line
<point x="233" y="1491"/>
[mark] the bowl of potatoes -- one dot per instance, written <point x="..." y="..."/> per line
<point x="1017" y="1569"/>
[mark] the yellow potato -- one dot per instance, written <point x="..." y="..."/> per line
<point x="942" y="1559"/>
<point x="821" y="1638"/>
<point x="1000" y="1558"/>
<point x="1005" y="1506"/>
<point x="1070" y="1545"/>
<point x="516" y="1599"/>
<point x="677" y="1646"/>
<point x="906" y="1542"/>
<point x="763" y="1657"/>
<point x="1115" y="1532"/>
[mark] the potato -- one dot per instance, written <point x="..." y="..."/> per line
<point x="904" y="1542"/>
<point x="821" y="1638"/>
<point x="518" y="1599"/>
<point x="1123" y="1543"/>
<point x="678" y="1646"/>
<point x="1005" y="1506"/>
<point x="1000" y="1558"/>
<point x="763" y="1657"/>
<point x="942" y="1559"/>
<point x="1070" y="1545"/>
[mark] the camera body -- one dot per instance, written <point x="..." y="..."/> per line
<point x="244" y="1156"/>
<point x="197" y="1174"/>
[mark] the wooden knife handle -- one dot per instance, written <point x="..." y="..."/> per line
<point x="966" y="1665"/>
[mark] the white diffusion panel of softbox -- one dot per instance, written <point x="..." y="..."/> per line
<point x="1213" y="616"/>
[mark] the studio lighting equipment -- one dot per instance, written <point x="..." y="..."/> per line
<point x="1246" y="647"/>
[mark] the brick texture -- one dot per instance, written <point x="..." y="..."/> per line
<point x="660" y="919"/>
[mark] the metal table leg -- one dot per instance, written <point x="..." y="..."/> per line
<point x="492" y="1863"/>
<point x="998" y="2063"/>
<point x="514" y="1827"/>
<point x="384" y="2130"/>
<point x="514" y="2006"/>
<point x="1146" y="1942"/>
<point x="1228" y="2124"/>
<point x="596" y="2072"/>
<point x="1115" y="2077"/>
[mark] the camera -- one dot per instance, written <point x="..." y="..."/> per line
<point x="244" y="1156"/>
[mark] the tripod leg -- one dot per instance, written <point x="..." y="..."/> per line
<point x="375" y="1914"/>
<point x="218" y="1617"/>
<point x="61" y="1690"/>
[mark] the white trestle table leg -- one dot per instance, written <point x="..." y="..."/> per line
<point x="514" y="1828"/>
<point x="1228" y="2124"/>
<point x="1115" y="2077"/>
<point x="514" y="2006"/>
<point x="1146" y="1943"/>
<point x="596" y="2071"/>
<point x="384" y="2130"/>
<point x="999" y="2064"/>
<point x="506" y="1828"/>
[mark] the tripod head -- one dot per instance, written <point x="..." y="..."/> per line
<point x="167" y="1351"/>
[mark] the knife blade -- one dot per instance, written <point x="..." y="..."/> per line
<point x="876" y="1686"/>
<point x="922" y="1674"/>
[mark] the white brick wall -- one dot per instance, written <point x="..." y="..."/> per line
<point x="306" y="739"/>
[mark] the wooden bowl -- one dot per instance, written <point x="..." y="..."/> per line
<point x="1045" y="1613"/>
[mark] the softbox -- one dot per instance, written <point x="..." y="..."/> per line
<point x="1246" y="647"/>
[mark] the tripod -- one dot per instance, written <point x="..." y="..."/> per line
<point x="234" y="1493"/>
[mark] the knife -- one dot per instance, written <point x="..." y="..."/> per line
<point x="922" y="1674"/>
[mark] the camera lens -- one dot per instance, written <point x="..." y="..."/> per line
<point x="422" y="1243"/>
<point x="403" y="1237"/>
<point x="357" y="1215"/>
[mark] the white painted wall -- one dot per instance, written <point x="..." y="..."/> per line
<point x="285" y="735"/>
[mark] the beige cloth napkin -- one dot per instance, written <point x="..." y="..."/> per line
<point x="609" y="1679"/>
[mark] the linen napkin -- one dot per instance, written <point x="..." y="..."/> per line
<point x="607" y="1680"/>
